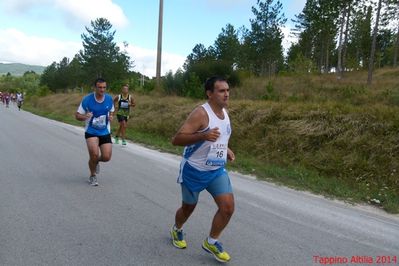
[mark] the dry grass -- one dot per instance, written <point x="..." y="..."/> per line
<point x="339" y="139"/>
<point x="320" y="88"/>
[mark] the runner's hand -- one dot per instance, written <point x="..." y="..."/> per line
<point x="89" y="115"/>
<point x="212" y="135"/>
<point x="230" y="155"/>
<point x="111" y="117"/>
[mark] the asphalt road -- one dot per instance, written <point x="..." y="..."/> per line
<point x="49" y="215"/>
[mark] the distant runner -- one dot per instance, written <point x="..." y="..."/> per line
<point x="123" y="102"/>
<point x="7" y="99"/>
<point x="96" y="109"/>
<point x="206" y="134"/>
<point x="20" y="100"/>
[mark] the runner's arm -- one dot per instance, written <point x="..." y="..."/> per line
<point x="230" y="155"/>
<point x="81" y="117"/>
<point x="116" y="104"/>
<point x="191" y="131"/>
<point x="111" y="113"/>
<point x="82" y="114"/>
<point x="132" y="101"/>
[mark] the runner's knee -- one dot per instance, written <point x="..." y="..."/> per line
<point x="106" y="158"/>
<point x="187" y="209"/>
<point x="227" y="208"/>
<point x="94" y="156"/>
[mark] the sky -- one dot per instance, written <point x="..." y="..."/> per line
<point x="40" y="32"/>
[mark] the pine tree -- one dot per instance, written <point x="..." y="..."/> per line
<point x="390" y="19"/>
<point x="101" y="57"/>
<point x="265" y="37"/>
<point x="49" y="77"/>
<point x="317" y="28"/>
<point x="227" y="46"/>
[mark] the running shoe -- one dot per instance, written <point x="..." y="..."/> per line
<point x="216" y="250"/>
<point x="178" y="238"/>
<point x="93" y="181"/>
<point x="116" y="140"/>
<point x="124" y="142"/>
<point x="98" y="168"/>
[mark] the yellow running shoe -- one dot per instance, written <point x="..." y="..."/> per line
<point x="178" y="238"/>
<point x="216" y="250"/>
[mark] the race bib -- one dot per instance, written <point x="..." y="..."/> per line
<point x="217" y="155"/>
<point x="99" y="122"/>
<point x="124" y="105"/>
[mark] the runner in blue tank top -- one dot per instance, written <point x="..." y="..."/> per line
<point x="96" y="109"/>
<point x="205" y="135"/>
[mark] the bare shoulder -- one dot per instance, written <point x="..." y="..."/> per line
<point x="199" y="112"/>
<point x="198" y="118"/>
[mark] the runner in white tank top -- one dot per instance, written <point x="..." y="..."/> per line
<point x="205" y="135"/>
<point x="208" y="155"/>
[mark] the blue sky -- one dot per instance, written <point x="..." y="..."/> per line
<point x="43" y="31"/>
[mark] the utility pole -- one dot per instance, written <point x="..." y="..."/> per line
<point x="159" y="50"/>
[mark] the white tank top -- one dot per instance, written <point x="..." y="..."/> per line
<point x="207" y="155"/>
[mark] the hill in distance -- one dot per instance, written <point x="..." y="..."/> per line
<point x="17" y="69"/>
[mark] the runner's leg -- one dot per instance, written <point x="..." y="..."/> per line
<point x="189" y="201"/>
<point x="123" y="125"/>
<point x="225" y="203"/>
<point x="183" y="213"/>
<point x="106" y="152"/>
<point x="92" y="146"/>
<point x="118" y="131"/>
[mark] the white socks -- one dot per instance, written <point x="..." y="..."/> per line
<point x="177" y="229"/>
<point x="211" y="240"/>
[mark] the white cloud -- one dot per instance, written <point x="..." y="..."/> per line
<point x="22" y="6"/>
<point x="77" y="11"/>
<point x="87" y="10"/>
<point x="145" y="60"/>
<point x="18" y="47"/>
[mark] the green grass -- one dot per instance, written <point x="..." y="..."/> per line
<point x="152" y="140"/>
<point x="294" y="177"/>
<point x="334" y="138"/>
<point x="304" y="179"/>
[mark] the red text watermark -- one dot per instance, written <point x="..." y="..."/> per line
<point x="336" y="260"/>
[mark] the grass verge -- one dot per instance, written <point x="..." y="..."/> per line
<point x="337" y="149"/>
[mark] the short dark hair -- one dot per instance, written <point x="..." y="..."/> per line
<point x="210" y="82"/>
<point x="98" y="80"/>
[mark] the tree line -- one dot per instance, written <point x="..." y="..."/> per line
<point x="29" y="82"/>
<point x="100" y="57"/>
<point x="346" y="35"/>
<point x="332" y="36"/>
